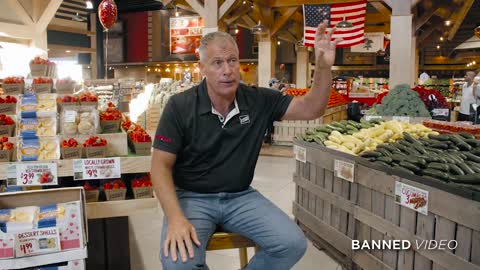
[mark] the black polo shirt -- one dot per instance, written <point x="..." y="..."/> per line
<point x="212" y="157"/>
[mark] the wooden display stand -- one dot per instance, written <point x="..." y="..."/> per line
<point x="285" y="131"/>
<point x="333" y="212"/>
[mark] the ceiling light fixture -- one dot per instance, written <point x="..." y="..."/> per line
<point x="68" y="51"/>
<point x="448" y="22"/>
<point x="344" y="24"/>
<point x="88" y="5"/>
<point x="278" y="42"/>
<point x="438" y="47"/>
<point x="441" y="38"/>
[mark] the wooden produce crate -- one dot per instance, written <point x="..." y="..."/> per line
<point x="116" y="142"/>
<point x="153" y="117"/>
<point x="285" y="131"/>
<point x="333" y="212"/>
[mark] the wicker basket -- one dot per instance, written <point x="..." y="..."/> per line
<point x="42" y="88"/>
<point x="115" y="194"/>
<point x="38" y="70"/>
<point x="143" y="148"/>
<point x="13" y="88"/>
<point x="7" y="130"/>
<point x="110" y="126"/>
<point x="6" y="155"/>
<point x="8" y="108"/>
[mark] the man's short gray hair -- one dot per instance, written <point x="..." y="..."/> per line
<point x="214" y="37"/>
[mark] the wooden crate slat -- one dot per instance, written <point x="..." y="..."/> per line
<point x="425" y="230"/>
<point x="337" y="189"/>
<point x="408" y="220"/>
<point x="343" y="214"/>
<point x="392" y="214"/>
<point x="464" y="240"/>
<point x="475" y="255"/>
<point x="327" y="207"/>
<point x="320" y="182"/>
<point x="378" y="208"/>
<point x="364" y="201"/>
<point x="444" y="230"/>
<point x="306" y="175"/>
<point x="313" y="179"/>
<point x="351" y="230"/>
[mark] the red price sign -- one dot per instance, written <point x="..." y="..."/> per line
<point x="27" y="177"/>
<point x="92" y="173"/>
<point x="27" y="248"/>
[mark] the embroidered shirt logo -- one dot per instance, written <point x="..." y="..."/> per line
<point x="244" y="119"/>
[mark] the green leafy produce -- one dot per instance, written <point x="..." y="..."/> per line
<point x="402" y="101"/>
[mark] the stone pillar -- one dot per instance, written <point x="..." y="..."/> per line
<point x="402" y="51"/>
<point x="39" y="41"/>
<point x="266" y="61"/>
<point x="302" y="75"/>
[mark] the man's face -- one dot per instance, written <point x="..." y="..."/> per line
<point x="469" y="76"/>
<point x="221" y="68"/>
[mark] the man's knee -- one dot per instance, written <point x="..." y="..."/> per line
<point x="292" y="245"/>
<point x="190" y="264"/>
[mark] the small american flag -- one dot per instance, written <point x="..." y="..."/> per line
<point x="353" y="12"/>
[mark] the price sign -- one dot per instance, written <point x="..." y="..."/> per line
<point x="39" y="241"/>
<point x="300" y="153"/>
<point x="411" y="197"/>
<point x="440" y="112"/>
<point x="96" y="168"/>
<point x="69" y="117"/>
<point x="344" y="169"/>
<point x="371" y="117"/>
<point x="32" y="174"/>
<point x="405" y="119"/>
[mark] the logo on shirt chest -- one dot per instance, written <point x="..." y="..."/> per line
<point x="244" y="119"/>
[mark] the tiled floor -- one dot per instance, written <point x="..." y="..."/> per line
<point x="273" y="178"/>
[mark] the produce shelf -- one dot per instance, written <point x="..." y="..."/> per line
<point x="129" y="164"/>
<point x="38" y="260"/>
<point x="110" y="209"/>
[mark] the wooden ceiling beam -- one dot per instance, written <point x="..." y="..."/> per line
<point x="47" y="15"/>
<point x="378" y="28"/>
<point x="427" y="33"/>
<point x="198" y="7"/>
<point x="425" y="18"/>
<point x="286" y="14"/>
<point x="186" y="7"/>
<point x="249" y="21"/>
<point x="20" y="11"/>
<point x="381" y="8"/>
<point x="73" y="49"/>
<point x="290" y="3"/>
<point x="376" y="18"/>
<point x="225" y="8"/>
<point x="459" y="17"/>
<point x="17" y="31"/>
<point x="70" y="30"/>
<point x="237" y="14"/>
<point x="287" y="36"/>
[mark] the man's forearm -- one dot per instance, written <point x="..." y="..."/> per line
<point x="317" y="97"/>
<point x="165" y="190"/>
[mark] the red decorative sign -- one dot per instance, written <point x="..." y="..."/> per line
<point x="185" y="34"/>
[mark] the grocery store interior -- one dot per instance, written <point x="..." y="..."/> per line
<point x="395" y="155"/>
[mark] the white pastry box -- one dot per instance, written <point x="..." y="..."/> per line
<point x="46" y="227"/>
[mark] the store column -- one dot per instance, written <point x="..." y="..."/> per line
<point x="267" y="54"/>
<point x="39" y="41"/>
<point x="302" y="77"/>
<point x="402" y="45"/>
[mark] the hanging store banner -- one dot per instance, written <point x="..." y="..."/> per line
<point x="372" y="44"/>
<point x="185" y="34"/>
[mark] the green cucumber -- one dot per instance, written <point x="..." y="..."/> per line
<point x="419" y="148"/>
<point x="411" y="151"/>
<point x="385" y="159"/>
<point x="398" y="157"/>
<point x="455" y="169"/>
<point x="472" y="157"/>
<point x="456" y="139"/>
<point x="474" y="166"/>
<point x="369" y="154"/>
<point x="465" y="168"/>
<point x="389" y="148"/>
<point x="473" y="142"/>
<point x="384" y="152"/>
<point x="438" y="166"/>
<point x="436" y="174"/>
<point x="473" y="178"/>
<point x="381" y="163"/>
<point x="409" y="138"/>
<point x="442" y="146"/>
<point x="410" y="166"/>
<point x="475" y="152"/>
<point x="464" y="146"/>
<point x="417" y="161"/>
<point x="466" y="135"/>
<point x="439" y="137"/>
<point x="434" y="150"/>
<point x="402" y="169"/>
<point x="404" y="143"/>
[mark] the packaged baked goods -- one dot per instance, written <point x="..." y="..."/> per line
<point x="47" y="104"/>
<point x="81" y="120"/>
<point x="29" y="127"/>
<point x="38" y="148"/>
<point x="50" y="216"/>
<point x="18" y="219"/>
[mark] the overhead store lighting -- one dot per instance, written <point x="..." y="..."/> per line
<point x="448" y="22"/>
<point x="344" y="24"/>
<point x="438" y="47"/>
<point x="441" y="39"/>
<point x="278" y="42"/>
<point x="88" y="5"/>
<point x="259" y="28"/>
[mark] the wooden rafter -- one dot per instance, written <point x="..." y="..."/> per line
<point x="186" y="7"/>
<point x="422" y="37"/>
<point x="198" y="7"/>
<point x="376" y="18"/>
<point x="286" y="14"/>
<point x="237" y="14"/>
<point x="225" y="8"/>
<point x="425" y="18"/>
<point x="298" y="17"/>
<point x="378" y="28"/>
<point x="249" y="21"/>
<point x="459" y="18"/>
<point x="20" y="11"/>
<point x="166" y="2"/>
<point x="70" y="30"/>
<point x="17" y="30"/>
<point x="287" y="36"/>
<point x="289" y="3"/>
<point x="73" y="49"/>
<point x="47" y="15"/>
<point x="381" y="8"/>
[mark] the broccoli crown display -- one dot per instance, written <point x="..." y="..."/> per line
<point x="402" y="101"/>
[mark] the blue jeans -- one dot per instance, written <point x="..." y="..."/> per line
<point x="248" y="213"/>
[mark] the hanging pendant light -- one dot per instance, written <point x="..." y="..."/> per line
<point x="344" y="24"/>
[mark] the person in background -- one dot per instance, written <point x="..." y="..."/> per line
<point x="205" y="151"/>
<point x="274" y="83"/>
<point x="468" y="97"/>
